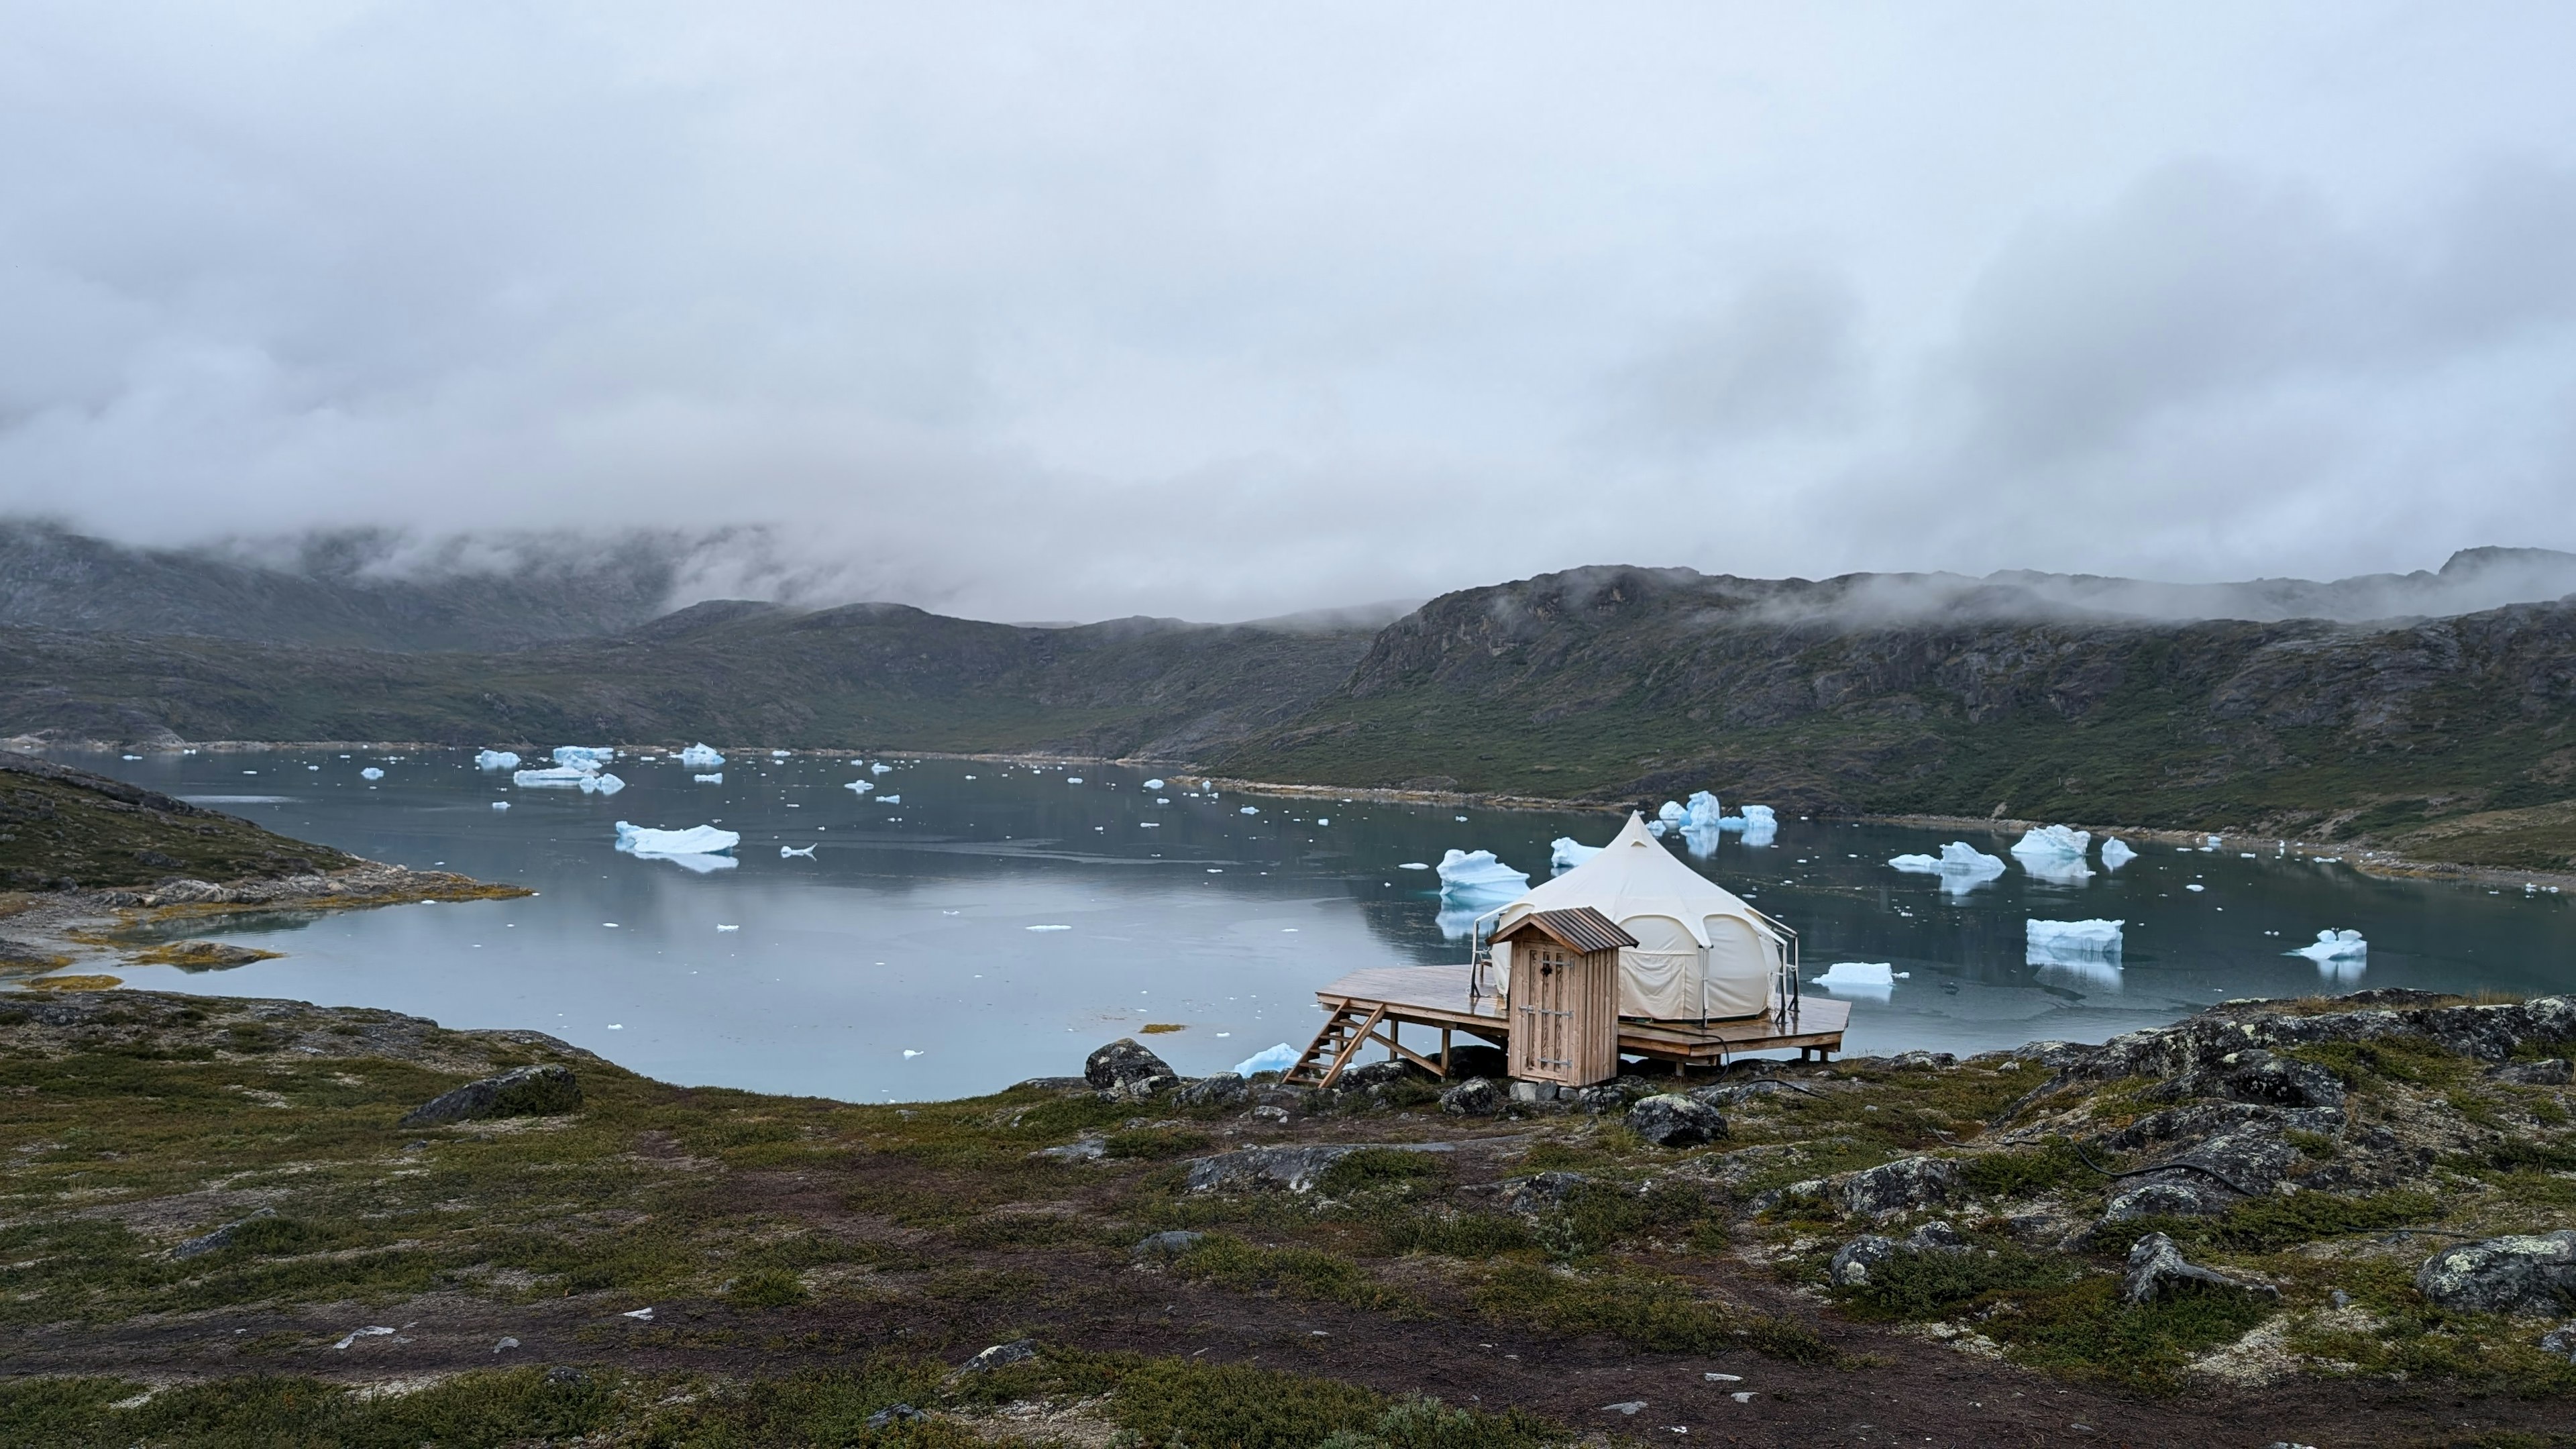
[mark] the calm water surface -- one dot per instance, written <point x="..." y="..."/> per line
<point x="997" y="922"/>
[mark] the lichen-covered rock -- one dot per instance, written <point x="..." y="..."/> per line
<point x="2518" y="1273"/>
<point x="2156" y="1265"/>
<point x="1125" y="1071"/>
<point x="539" y="1091"/>
<point x="220" y="1238"/>
<point x="1000" y="1355"/>
<point x="2167" y="1197"/>
<point x="1673" y="1120"/>
<point x="1540" y="1191"/>
<point x="1908" y="1182"/>
<point x="1168" y="1244"/>
<point x="1475" y="1097"/>
<point x="2259" y="1076"/>
<point x="2561" y="1341"/>
<point x="1605" y="1097"/>
<point x="2555" y="1072"/>
<point x="1223" y="1089"/>
<point x="1853" y="1260"/>
<point x="1372" y="1076"/>
<point x="1297" y="1169"/>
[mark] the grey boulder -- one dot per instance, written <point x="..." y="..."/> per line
<point x="1297" y="1169"/>
<point x="1223" y="1089"/>
<point x="2554" y="1072"/>
<point x="1908" y="1182"/>
<point x="1673" y="1120"/>
<point x="1170" y="1244"/>
<point x="1475" y="1097"/>
<point x="220" y="1239"/>
<point x="2518" y="1273"/>
<point x="1123" y="1065"/>
<point x="1852" y="1262"/>
<point x="540" y="1091"/>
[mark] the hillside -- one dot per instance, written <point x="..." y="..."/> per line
<point x="62" y="827"/>
<point x="2449" y="737"/>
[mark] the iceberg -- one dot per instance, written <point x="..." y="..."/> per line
<point x="1961" y="866"/>
<point x="495" y="760"/>
<point x="500" y="804"/>
<point x="1656" y="828"/>
<point x="862" y="786"/>
<point x="1704" y="811"/>
<point x="879" y="768"/>
<point x="560" y="777"/>
<point x="699" y="757"/>
<point x="2116" y="853"/>
<point x="1671" y="812"/>
<point x="785" y="851"/>
<point x="1566" y="852"/>
<point x="1073" y="779"/>
<point x="602" y="784"/>
<point x="1465" y="873"/>
<point x="1859" y="978"/>
<point x="1249" y="810"/>
<point x="2334" y="946"/>
<point x="715" y="779"/>
<point x="2054" y="840"/>
<point x="1760" y="815"/>
<point x="696" y="840"/>
<point x="583" y="757"/>
<point x="2057" y="942"/>
<point x="371" y="773"/>
<point x="1153" y="785"/>
<point x="1277" y="1059"/>
<point x="889" y="799"/>
<point x="1703" y="840"/>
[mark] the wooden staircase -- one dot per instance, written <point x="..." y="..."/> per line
<point x="1344" y="1033"/>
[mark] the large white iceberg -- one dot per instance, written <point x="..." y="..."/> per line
<point x="2335" y="946"/>
<point x="1704" y="812"/>
<point x="601" y="784"/>
<point x="699" y="757"/>
<point x="1477" y="873"/>
<point x="559" y="777"/>
<point x="2057" y="942"/>
<point x="1961" y="866"/>
<point x="2116" y="853"/>
<point x="696" y="840"/>
<point x="1671" y="812"/>
<point x="2054" y="840"/>
<point x="1277" y="1059"/>
<point x="583" y="757"/>
<point x="496" y="760"/>
<point x="1565" y="852"/>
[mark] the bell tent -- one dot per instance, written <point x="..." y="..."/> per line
<point x="1702" y="954"/>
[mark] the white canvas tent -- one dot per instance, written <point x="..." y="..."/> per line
<point x="1701" y="952"/>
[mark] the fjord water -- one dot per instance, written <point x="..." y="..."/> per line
<point x="997" y="921"/>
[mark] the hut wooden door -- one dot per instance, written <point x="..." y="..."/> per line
<point x="1565" y="1014"/>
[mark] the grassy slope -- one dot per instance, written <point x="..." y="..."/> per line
<point x="817" y="1260"/>
<point x="58" y="824"/>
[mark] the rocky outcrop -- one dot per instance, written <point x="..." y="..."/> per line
<point x="220" y="1239"/>
<point x="1673" y="1120"/>
<point x="539" y="1091"/>
<point x="2519" y="1273"/>
<point x="1908" y="1182"/>
<point x="1475" y="1097"/>
<point x="2224" y="1037"/>
<point x="1852" y="1262"/>
<point x="1293" y="1169"/>
<point x="1125" y="1071"/>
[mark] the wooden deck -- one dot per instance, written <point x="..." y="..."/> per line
<point x="1372" y="1006"/>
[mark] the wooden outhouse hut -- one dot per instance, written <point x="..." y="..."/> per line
<point x="1565" y="995"/>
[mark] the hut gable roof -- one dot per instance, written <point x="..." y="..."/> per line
<point x="1580" y="929"/>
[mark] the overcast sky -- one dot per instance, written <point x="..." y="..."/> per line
<point x="1060" y="310"/>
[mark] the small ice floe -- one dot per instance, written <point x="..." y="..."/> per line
<point x="1565" y="852"/>
<point x="2116" y="853"/>
<point x="1153" y="784"/>
<point x="2058" y="942"/>
<point x="602" y="784"/>
<point x="558" y="777"/>
<point x="722" y="927"/>
<point x="371" y="773"/>
<point x="785" y="851"/>
<point x="2195" y="886"/>
<point x="1671" y="812"/>
<point x="778" y="754"/>
<point x="358" y="1333"/>
<point x="1413" y="865"/>
<point x="714" y="779"/>
<point x="496" y="760"/>
<point x="1272" y="1059"/>
<point x="861" y="786"/>
<point x="1859" y="978"/>
<point x="129" y="757"/>
<point x="699" y="757"/>
<point x="889" y="799"/>
<point x="2334" y="946"/>
<point x="1073" y="779"/>
<point x="879" y="768"/>
<point x="500" y="804"/>
<point x="1046" y="928"/>
<point x="1961" y="866"/>
<point x="910" y="1052"/>
<point x="1249" y="810"/>
<point x="699" y="849"/>
<point x="1465" y="873"/>
<point x="645" y="1314"/>
<point x="617" y="1026"/>
<point x="583" y="757"/>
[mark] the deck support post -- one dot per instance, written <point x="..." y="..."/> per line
<point x="1444" y="1053"/>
